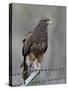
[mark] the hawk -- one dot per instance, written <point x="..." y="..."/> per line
<point x="35" y="44"/>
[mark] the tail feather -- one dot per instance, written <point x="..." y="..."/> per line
<point x="25" y="70"/>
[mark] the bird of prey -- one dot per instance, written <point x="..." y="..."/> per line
<point x="35" y="44"/>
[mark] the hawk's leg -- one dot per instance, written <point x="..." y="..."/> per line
<point x="36" y="65"/>
<point x="35" y="61"/>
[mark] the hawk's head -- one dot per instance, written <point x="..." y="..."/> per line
<point x="46" y="21"/>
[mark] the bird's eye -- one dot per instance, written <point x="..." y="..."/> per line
<point x="44" y="20"/>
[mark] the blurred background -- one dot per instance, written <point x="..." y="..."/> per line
<point x="24" y="19"/>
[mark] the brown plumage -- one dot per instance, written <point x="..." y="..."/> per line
<point x="35" y="44"/>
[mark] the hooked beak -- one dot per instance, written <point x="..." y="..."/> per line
<point x="49" y="22"/>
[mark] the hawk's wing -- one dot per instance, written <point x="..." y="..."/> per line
<point x="27" y="44"/>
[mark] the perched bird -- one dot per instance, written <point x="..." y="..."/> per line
<point x="35" y="44"/>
